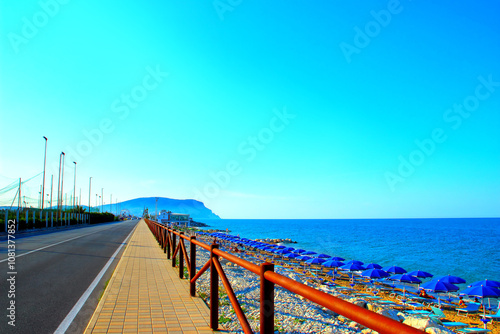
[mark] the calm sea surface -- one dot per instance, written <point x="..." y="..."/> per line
<point x="469" y="248"/>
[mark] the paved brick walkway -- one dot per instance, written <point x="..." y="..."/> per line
<point x="145" y="294"/>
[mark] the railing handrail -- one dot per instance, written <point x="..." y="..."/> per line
<point x="367" y="318"/>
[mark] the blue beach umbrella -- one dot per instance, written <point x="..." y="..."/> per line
<point x="354" y="262"/>
<point x="332" y="264"/>
<point x="482" y="292"/>
<point x="303" y="258"/>
<point x="282" y="251"/>
<point x="337" y="258"/>
<point x="292" y="255"/>
<point x="352" y="267"/>
<point x="405" y="278"/>
<point x="309" y="253"/>
<point x="323" y="256"/>
<point x="486" y="282"/>
<point x="420" y="274"/>
<point x="374" y="273"/>
<point x="300" y="251"/>
<point x="394" y="270"/>
<point x="290" y="249"/>
<point x="373" y="266"/>
<point x="450" y="279"/>
<point x="281" y="247"/>
<point x="439" y="286"/>
<point x="315" y="260"/>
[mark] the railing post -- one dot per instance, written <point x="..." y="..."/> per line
<point x="192" y="263"/>
<point x="266" y="300"/>
<point x="173" y="247"/>
<point x="181" y="256"/>
<point x="214" y="290"/>
<point x="165" y="240"/>
<point x="168" y="244"/>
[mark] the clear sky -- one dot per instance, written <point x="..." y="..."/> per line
<point x="282" y="109"/>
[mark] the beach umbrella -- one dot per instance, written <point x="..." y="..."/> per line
<point x="337" y="258"/>
<point x="323" y="256"/>
<point x="374" y="273"/>
<point x="282" y="251"/>
<point x="300" y="251"/>
<point x="439" y="287"/>
<point x="491" y="284"/>
<point x="290" y="249"/>
<point x="405" y="278"/>
<point x="309" y="253"/>
<point x="373" y="266"/>
<point x="303" y="258"/>
<point x="281" y="247"/>
<point x="315" y="260"/>
<point x="482" y="292"/>
<point x="420" y="274"/>
<point x="292" y="255"/>
<point x="394" y="270"/>
<point x="354" y="262"/>
<point x="332" y="263"/>
<point x="352" y="267"/>
<point x="450" y="279"/>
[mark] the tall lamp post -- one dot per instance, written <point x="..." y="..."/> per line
<point x="44" y="164"/>
<point x="96" y="203"/>
<point x="74" y="191"/>
<point x="59" y="197"/>
<point x="102" y="199"/>
<point x="90" y="187"/>
<point x="62" y="180"/>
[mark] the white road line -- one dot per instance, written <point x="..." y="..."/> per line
<point x="57" y="243"/>
<point x="79" y="304"/>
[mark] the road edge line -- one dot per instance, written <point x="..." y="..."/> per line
<point x="68" y="320"/>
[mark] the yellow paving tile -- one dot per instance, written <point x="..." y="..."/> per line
<point x="145" y="294"/>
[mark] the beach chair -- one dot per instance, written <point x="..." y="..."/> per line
<point x="493" y="317"/>
<point x="471" y="308"/>
<point x="437" y="314"/>
<point x="472" y="330"/>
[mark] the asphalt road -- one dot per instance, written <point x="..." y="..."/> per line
<point x="53" y="271"/>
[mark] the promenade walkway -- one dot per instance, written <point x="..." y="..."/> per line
<point x="145" y="294"/>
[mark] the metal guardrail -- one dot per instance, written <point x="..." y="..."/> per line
<point x="167" y="239"/>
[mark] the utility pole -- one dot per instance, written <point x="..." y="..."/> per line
<point x="102" y="199"/>
<point x="44" y="164"/>
<point x="51" y="185"/>
<point x="19" y="200"/>
<point x="90" y="187"/>
<point x="74" y="191"/>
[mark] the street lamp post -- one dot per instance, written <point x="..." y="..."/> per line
<point x="74" y="191"/>
<point x="51" y="185"/>
<point x="90" y="187"/>
<point x="44" y="164"/>
<point x="102" y="200"/>
<point x="96" y="203"/>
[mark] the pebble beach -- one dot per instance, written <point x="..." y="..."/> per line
<point x="294" y="314"/>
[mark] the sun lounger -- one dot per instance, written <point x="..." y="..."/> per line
<point x="493" y="317"/>
<point x="473" y="330"/>
<point x="471" y="308"/>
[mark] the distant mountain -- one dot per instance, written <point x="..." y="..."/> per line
<point x="196" y="209"/>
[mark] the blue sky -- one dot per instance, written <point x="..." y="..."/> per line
<point x="334" y="109"/>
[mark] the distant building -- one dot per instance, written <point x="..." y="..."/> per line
<point x="174" y="219"/>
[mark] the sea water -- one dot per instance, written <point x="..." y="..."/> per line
<point x="465" y="247"/>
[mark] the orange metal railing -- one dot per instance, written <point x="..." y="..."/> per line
<point x="167" y="238"/>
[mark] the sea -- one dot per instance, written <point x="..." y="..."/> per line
<point x="464" y="247"/>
